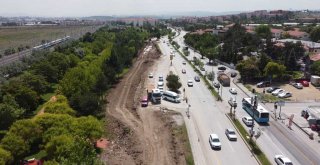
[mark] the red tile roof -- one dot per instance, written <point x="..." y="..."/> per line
<point x="315" y="57"/>
<point x="276" y="30"/>
<point x="296" y="33"/>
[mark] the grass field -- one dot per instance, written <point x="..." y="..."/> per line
<point x="22" y="35"/>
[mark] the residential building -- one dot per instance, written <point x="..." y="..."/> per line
<point x="276" y="33"/>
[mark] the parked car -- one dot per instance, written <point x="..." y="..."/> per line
<point x="216" y="85"/>
<point x="202" y="69"/>
<point x="222" y="68"/>
<point x="184" y="62"/>
<point x="297" y="85"/>
<point x="233" y="74"/>
<point x="263" y="84"/>
<point x="271" y="89"/>
<point x="214" y="141"/>
<point x="282" y="160"/>
<point x="183" y="71"/>
<point x="233" y="91"/>
<point x="231" y="134"/>
<point x="190" y="83"/>
<point x="284" y="95"/>
<point x="150" y="75"/>
<point x="276" y="92"/>
<point x="305" y="83"/>
<point x="196" y="78"/>
<point x="247" y="120"/>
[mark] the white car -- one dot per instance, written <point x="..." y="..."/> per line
<point x="190" y="83"/>
<point x="284" y="95"/>
<point x="231" y="134"/>
<point x="214" y="141"/>
<point x="247" y="120"/>
<point x="282" y="160"/>
<point x="160" y="89"/>
<point x="184" y="62"/>
<point x="161" y="78"/>
<point x="150" y="75"/>
<point x="233" y="91"/>
<point x="277" y="91"/>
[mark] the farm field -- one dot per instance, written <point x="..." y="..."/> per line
<point x="31" y="36"/>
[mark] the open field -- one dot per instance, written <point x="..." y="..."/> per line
<point x="22" y="35"/>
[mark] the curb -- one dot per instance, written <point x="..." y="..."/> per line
<point x="244" y="140"/>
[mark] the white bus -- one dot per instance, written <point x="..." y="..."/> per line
<point x="171" y="96"/>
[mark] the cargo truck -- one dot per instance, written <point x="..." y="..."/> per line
<point x="315" y="81"/>
<point x="154" y="94"/>
<point x="224" y="80"/>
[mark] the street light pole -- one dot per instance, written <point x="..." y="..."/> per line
<point x="255" y="106"/>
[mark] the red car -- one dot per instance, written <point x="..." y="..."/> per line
<point x="305" y="83"/>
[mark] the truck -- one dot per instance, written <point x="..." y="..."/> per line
<point x="224" y="80"/>
<point x="154" y="94"/>
<point x="315" y="80"/>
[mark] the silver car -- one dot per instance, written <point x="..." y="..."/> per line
<point x="231" y="134"/>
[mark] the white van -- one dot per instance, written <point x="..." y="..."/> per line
<point x="171" y="96"/>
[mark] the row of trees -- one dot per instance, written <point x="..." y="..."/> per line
<point x="83" y="70"/>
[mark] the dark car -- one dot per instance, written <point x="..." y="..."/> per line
<point x="233" y="74"/>
<point x="196" y="78"/>
<point x="263" y="84"/>
<point x="271" y="89"/>
<point x="216" y="84"/>
<point x="222" y="68"/>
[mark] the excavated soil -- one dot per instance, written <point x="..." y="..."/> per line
<point x="139" y="135"/>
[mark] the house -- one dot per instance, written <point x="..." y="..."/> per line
<point x="296" y="33"/>
<point x="276" y="33"/>
<point x="309" y="46"/>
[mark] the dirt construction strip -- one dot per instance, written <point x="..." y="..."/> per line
<point x="139" y="136"/>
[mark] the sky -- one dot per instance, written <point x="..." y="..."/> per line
<point x="79" y="8"/>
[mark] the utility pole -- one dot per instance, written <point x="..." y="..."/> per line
<point x="255" y="106"/>
<point x="275" y="110"/>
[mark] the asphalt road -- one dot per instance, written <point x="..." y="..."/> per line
<point x="276" y="138"/>
<point x="206" y="116"/>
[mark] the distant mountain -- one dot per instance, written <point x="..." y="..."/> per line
<point x="202" y="13"/>
<point x="101" y="18"/>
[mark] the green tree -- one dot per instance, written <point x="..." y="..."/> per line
<point x="263" y="31"/>
<point x="315" y="68"/>
<point x="248" y="69"/>
<point x="173" y="82"/>
<point x="211" y="76"/>
<point x="15" y="145"/>
<point x="274" y="69"/>
<point x="9" y="112"/>
<point x="5" y="156"/>
<point x="315" y="34"/>
<point x="263" y="61"/>
<point x="35" y="82"/>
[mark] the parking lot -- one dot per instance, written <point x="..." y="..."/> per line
<point x="298" y="95"/>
